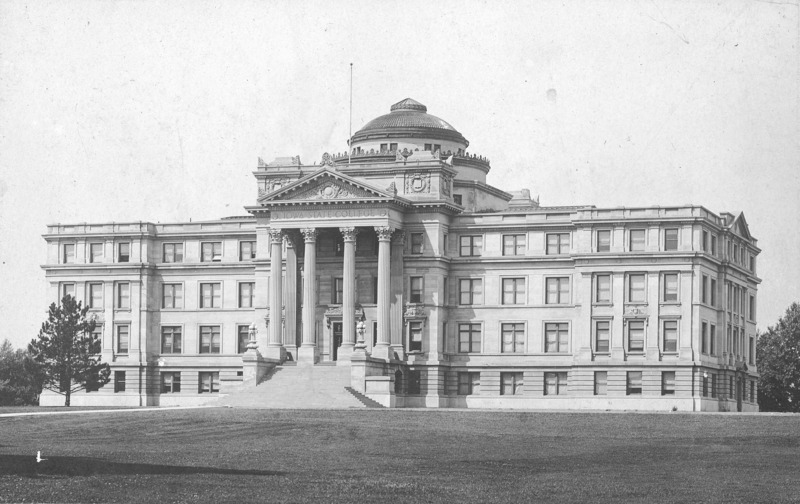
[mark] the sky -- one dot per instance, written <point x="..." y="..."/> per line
<point x="158" y="111"/>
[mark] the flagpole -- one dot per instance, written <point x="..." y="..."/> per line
<point x="350" y="138"/>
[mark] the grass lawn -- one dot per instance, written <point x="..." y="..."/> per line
<point x="236" y="455"/>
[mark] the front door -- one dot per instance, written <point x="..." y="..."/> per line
<point x="337" y="339"/>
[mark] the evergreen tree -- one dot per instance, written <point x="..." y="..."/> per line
<point x="778" y="360"/>
<point x="20" y="378"/>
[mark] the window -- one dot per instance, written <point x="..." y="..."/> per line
<point x="247" y="250"/>
<point x="752" y="266"/>
<point x="209" y="339"/>
<point x="557" y="290"/>
<point x="713" y="385"/>
<point x="713" y="245"/>
<point x="604" y="240"/>
<point x="95" y="296"/>
<point x="119" y="381"/>
<point x="669" y="331"/>
<point x="469" y="338"/>
<point x="68" y="253"/>
<point x="705" y="241"/>
<point x="171" y="382"/>
<point x="514" y="245"/>
<point x="513" y="337"/>
<point x="417" y="241"/>
<point x="752" y="351"/>
<point x="704" y="289"/>
<point x="712" y="339"/>
<point x="669" y="293"/>
<point x="210" y="295"/>
<point x="123" y="336"/>
<point x="704" y="338"/>
<point x="173" y="252"/>
<point x="98" y="332"/>
<point x="171" y="340"/>
<point x="602" y="336"/>
<point x="513" y="291"/>
<point x="468" y="383"/>
<point x="172" y="295"/>
<point x="555" y="383"/>
<point x="415" y="336"/>
<point x="636" y="335"/>
<point x="751" y="312"/>
<point x="634" y="383"/>
<point x="600" y="382"/>
<point x="415" y="289"/>
<point x="67" y="289"/>
<point x="471" y="245"/>
<point x="470" y="291"/>
<point x="124" y="252"/>
<point x="414" y="383"/>
<point x="95" y="252"/>
<point x="730" y="386"/>
<point x="557" y="243"/>
<point x="338" y="289"/>
<point x="705" y="384"/>
<point x="636" y="288"/>
<point x="208" y="383"/>
<point x="457" y="198"/>
<point x="246" y="292"/>
<point x="670" y="239"/>
<point x="636" y="240"/>
<point x="713" y="293"/>
<point x="511" y="383"/>
<point x="668" y="383"/>
<point x="242" y="338"/>
<point x="211" y="251"/>
<point x="752" y="391"/>
<point x="556" y="337"/>
<point x="602" y="288"/>
<point x="124" y="296"/>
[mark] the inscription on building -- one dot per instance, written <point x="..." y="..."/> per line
<point x="330" y="213"/>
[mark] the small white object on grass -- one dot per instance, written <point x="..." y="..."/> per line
<point x="39" y="457"/>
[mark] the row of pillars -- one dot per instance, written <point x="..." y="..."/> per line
<point x="307" y="351"/>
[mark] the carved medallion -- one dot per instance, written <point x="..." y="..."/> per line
<point x="332" y="191"/>
<point x="418" y="182"/>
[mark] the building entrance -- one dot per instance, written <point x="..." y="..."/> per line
<point x="337" y="339"/>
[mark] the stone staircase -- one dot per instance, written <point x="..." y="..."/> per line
<point x="299" y="387"/>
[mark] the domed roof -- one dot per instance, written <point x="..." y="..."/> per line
<point x="408" y="118"/>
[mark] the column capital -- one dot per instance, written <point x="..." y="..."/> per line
<point x="349" y="233"/>
<point x="384" y="232"/>
<point x="399" y="237"/>
<point x="310" y="234"/>
<point x="276" y="235"/>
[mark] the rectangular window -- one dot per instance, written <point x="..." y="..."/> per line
<point x="752" y="391"/>
<point x="414" y="382"/>
<point x="68" y="253"/>
<point x="457" y="199"/>
<point x="668" y="383"/>
<point x="415" y="289"/>
<point x="602" y="288"/>
<point x="670" y="239"/>
<point x="713" y="293"/>
<point x="123" y="336"/>
<point x="602" y="336"/>
<point x="513" y="337"/>
<point x="730" y="386"/>
<point x="468" y="383"/>
<point x="511" y="383"/>
<point x="705" y="241"/>
<point x="208" y="383"/>
<point x="172" y="295"/>
<point x="172" y="253"/>
<point x="600" y="382"/>
<point x="417" y="243"/>
<point x="124" y="296"/>
<point x="712" y="339"/>
<point x="637" y="292"/>
<point x="513" y="291"/>
<point x="556" y="337"/>
<point x="95" y="252"/>
<point x="470" y="291"/>
<point x="557" y="290"/>
<point x="392" y="146"/>
<point x="514" y="245"/>
<point x="713" y="385"/>
<point x="242" y="338"/>
<point x="247" y="250"/>
<point x="171" y="382"/>
<point x="557" y="243"/>
<point x="469" y="338"/>
<point x="636" y="335"/>
<point x="705" y="384"/>
<point x="211" y="252"/>
<point x="636" y="240"/>
<point x="669" y="330"/>
<point x="415" y="336"/>
<point x="752" y="351"/>
<point x="124" y="252"/>
<point x="384" y="147"/>
<point x="338" y="290"/>
<point x="171" y="339"/>
<point x="210" y="339"/>
<point x="555" y="383"/>
<point x="634" y="383"/>
<point x="119" y="381"/>
<point x="751" y="312"/>
<point x="470" y="246"/>
<point x="210" y="295"/>
<point x="67" y="289"/>
<point x="95" y="296"/>
<point x="704" y="289"/>
<point x="704" y="338"/>
<point x="670" y="291"/>
<point x="713" y="245"/>
<point x="752" y="266"/>
<point x="246" y="294"/>
<point x="604" y="240"/>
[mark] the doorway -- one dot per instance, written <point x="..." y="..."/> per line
<point x="337" y="339"/>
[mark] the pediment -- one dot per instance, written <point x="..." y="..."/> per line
<point x="740" y="227"/>
<point x="326" y="185"/>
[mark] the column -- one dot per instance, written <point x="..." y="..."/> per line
<point x="382" y="349"/>
<point x="396" y="294"/>
<point x="275" y="348"/>
<point x="290" y="300"/>
<point x="308" y="349"/>
<point x="348" y="294"/>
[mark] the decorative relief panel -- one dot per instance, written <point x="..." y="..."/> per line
<point x="329" y="190"/>
<point x="446" y="184"/>
<point x="418" y="182"/>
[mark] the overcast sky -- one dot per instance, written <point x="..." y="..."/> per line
<point x="158" y="111"/>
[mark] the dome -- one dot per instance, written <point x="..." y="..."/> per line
<point x="408" y="119"/>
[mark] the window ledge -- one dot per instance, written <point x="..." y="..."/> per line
<point x="669" y="303"/>
<point x="609" y="304"/>
<point x="602" y="354"/>
<point x="635" y="354"/>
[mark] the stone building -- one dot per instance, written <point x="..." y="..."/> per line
<point x="398" y="269"/>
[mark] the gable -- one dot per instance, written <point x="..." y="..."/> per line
<point x="740" y="227"/>
<point x="325" y="185"/>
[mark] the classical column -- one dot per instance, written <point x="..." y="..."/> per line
<point x="308" y="351"/>
<point x="382" y="349"/>
<point x="348" y="294"/>
<point x="275" y="348"/>
<point x="290" y="292"/>
<point x="396" y="294"/>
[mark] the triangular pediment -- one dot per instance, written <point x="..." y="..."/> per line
<point x="740" y="227"/>
<point x="326" y="185"/>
